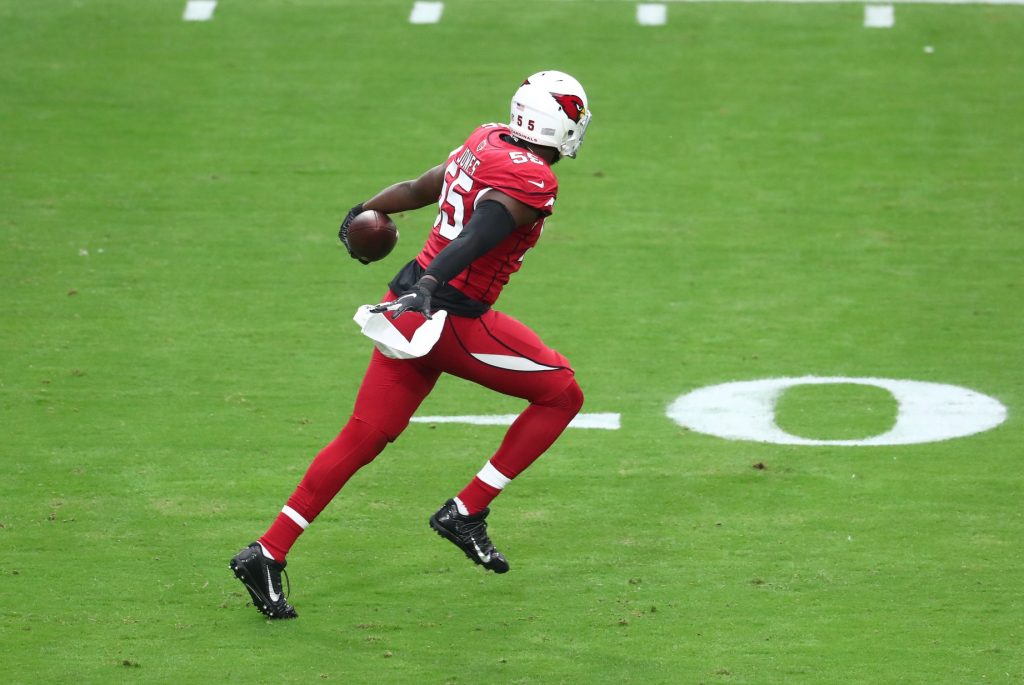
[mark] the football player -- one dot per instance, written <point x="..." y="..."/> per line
<point x="493" y="194"/>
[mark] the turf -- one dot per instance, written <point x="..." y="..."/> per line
<point x="766" y="191"/>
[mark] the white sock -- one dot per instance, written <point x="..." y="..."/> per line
<point x="461" y="507"/>
<point x="493" y="477"/>
<point x="267" y="554"/>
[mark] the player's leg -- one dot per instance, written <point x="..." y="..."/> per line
<point x="389" y="395"/>
<point x="356" y="445"/>
<point x="508" y="357"/>
<point x="529" y="436"/>
<point x="502" y="354"/>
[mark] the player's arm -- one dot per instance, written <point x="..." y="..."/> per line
<point x="494" y="218"/>
<point x="400" y="197"/>
<point x="408" y="195"/>
<point x="496" y="215"/>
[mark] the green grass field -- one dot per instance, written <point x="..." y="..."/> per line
<point x="765" y="191"/>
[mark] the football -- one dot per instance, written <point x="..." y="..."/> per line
<point x="372" y="235"/>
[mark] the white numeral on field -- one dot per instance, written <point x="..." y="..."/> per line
<point x="745" y="410"/>
<point x="928" y="412"/>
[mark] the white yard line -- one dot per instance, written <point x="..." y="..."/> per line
<point x="858" y="2"/>
<point x="595" y="421"/>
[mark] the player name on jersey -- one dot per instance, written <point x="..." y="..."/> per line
<point x="468" y="162"/>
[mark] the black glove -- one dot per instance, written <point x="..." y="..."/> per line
<point x="343" y="231"/>
<point x="416" y="300"/>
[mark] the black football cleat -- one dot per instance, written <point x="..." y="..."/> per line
<point x="262" y="578"/>
<point x="469" y="533"/>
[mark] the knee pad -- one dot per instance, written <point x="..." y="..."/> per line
<point x="388" y="426"/>
<point x="360" y="440"/>
<point x="570" y="399"/>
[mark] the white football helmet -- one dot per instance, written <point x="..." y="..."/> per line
<point x="550" y="109"/>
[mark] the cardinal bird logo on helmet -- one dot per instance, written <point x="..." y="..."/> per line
<point x="572" y="105"/>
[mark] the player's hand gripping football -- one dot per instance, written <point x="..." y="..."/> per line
<point x="343" y="231"/>
<point x="416" y="300"/>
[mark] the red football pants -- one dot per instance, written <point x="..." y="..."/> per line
<point x="495" y="351"/>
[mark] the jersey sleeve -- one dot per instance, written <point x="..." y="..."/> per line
<point x="520" y="175"/>
<point x="532" y="184"/>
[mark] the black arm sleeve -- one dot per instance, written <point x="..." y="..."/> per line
<point x="490" y="224"/>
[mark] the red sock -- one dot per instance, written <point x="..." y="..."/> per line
<point x="530" y="435"/>
<point x="281" y="536"/>
<point x="478" y="494"/>
<point x="355" y="447"/>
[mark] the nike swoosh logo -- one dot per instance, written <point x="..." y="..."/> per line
<point x="270" y="588"/>
<point x="483" y="557"/>
<point x="539" y="184"/>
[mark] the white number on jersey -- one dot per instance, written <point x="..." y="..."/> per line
<point x="451" y="198"/>
<point x="524" y="157"/>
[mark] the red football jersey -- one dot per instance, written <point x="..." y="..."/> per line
<point x="482" y="163"/>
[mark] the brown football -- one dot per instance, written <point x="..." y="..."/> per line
<point x="372" y="235"/>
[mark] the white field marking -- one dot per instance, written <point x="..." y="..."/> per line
<point x="858" y="2"/>
<point x="879" y="16"/>
<point x="649" y="14"/>
<point x="928" y="412"/>
<point x="426" y="12"/>
<point x="608" y="422"/>
<point x="199" y="10"/>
